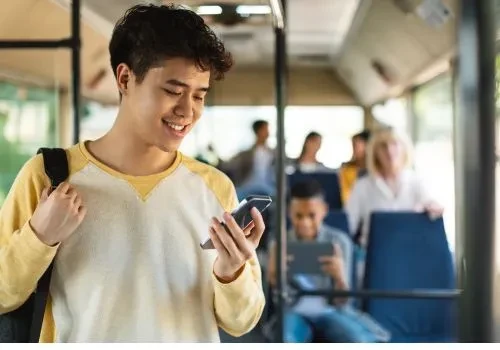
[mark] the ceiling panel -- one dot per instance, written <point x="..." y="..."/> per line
<point x="403" y="43"/>
<point x="317" y="28"/>
<point x="52" y="68"/>
<point x="14" y="18"/>
<point x="324" y="23"/>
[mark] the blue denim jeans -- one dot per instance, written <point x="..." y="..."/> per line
<point x="335" y="325"/>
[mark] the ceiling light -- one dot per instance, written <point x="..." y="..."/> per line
<point x="253" y="10"/>
<point x="209" y="10"/>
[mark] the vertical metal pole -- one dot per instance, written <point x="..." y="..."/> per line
<point x="280" y="71"/>
<point x="475" y="168"/>
<point x="75" y="67"/>
<point x="412" y="116"/>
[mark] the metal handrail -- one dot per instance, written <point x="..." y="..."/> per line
<point x="277" y="12"/>
<point x="386" y="294"/>
<point x="36" y="44"/>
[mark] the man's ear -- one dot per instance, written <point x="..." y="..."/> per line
<point x="326" y="208"/>
<point x="123" y="78"/>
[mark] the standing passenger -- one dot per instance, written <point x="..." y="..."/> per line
<point x="253" y="169"/>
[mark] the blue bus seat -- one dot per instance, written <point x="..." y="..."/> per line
<point x="328" y="180"/>
<point x="337" y="219"/>
<point x="409" y="251"/>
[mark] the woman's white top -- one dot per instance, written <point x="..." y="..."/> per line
<point x="371" y="193"/>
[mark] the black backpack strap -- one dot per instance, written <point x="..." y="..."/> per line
<point x="57" y="169"/>
<point x="56" y="164"/>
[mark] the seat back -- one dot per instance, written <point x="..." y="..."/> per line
<point x="328" y="180"/>
<point x="337" y="219"/>
<point x="408" y="251"/>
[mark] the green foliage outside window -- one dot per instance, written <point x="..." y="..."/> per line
<point x="28" y="118"/>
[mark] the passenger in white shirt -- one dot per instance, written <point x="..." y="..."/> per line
<point x="390" y="185"/>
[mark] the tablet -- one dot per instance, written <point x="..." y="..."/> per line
<point x="303" y="257"/>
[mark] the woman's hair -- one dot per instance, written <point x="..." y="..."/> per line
<point x="309" y="136"/>
<point x="385" y="135"/>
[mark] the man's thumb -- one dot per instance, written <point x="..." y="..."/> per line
<point x="45" y="194"/>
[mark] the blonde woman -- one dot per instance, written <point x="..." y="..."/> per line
<point x="391" y="184"/>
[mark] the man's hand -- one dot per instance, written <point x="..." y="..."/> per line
<point x="334" y="265"/>
<point x="235" y="247"/>
<point x="58" y="214"/>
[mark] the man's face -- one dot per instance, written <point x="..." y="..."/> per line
<point x="307" y="215"/>
<point x="358" y="148"/>
<point x="263" y="133"/>
<point x="163" y="108"/>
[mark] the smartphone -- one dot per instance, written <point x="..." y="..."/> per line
<point x="242" y="214"/>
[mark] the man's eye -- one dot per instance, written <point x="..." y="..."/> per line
<point x="172" y="92"/>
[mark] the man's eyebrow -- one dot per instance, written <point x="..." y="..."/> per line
<point x="182" y="84"/>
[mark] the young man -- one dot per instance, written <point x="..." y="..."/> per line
<point x="252" y="170"/>
<point x="314" y="316"/>
<point x="124" y="232"/>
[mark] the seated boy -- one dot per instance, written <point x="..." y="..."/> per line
<point x="314" y="316"/>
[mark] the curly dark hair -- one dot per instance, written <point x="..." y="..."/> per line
<point x="149" y="34"/>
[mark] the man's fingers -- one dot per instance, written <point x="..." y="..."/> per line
<point x="72" y="194"/>
<point x="62" y="188"/>
<point x="217" y="243"/>
<point x="238" y="235"/>
<point x="233" y="228"/>
<point x="45" y="194"/>
<point x="225" y="238"/>
<point x="249" y="228"/>
<point x="259" y="228"/>
<point x="82" y="211"/>
<point x="77" y="201"/>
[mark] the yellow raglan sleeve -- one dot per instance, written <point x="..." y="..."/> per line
<point x="23" y="257"/>
<point x="240" y="303"/>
